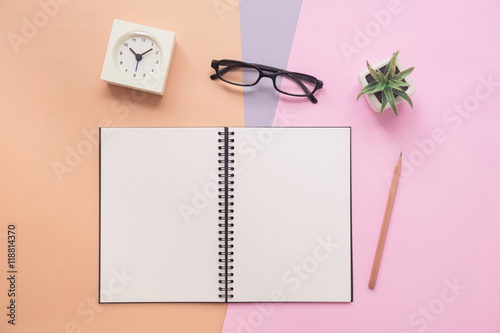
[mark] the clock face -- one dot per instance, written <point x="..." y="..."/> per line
<point x="138" y="56"/>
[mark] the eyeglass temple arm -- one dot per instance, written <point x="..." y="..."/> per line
<point x="306" y="90"/>
<point x="299" y="81"/>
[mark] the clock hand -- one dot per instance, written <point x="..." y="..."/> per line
<point x="151" y="49"/>
<point x="138" y="56"/>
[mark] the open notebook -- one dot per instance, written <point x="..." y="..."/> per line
<point x="225" y="215"/>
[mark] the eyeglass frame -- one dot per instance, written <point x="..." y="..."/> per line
<point x="318" y="84"/>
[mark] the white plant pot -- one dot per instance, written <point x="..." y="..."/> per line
<point x="372" y="99"/>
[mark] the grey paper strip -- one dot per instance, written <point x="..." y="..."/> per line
<point x="267" y="32"/>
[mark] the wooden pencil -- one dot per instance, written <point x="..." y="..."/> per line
<point x="385" y="223"/>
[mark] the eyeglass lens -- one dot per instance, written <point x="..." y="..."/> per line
<point x="294" y="84"/>
<point x="238" y="74"/>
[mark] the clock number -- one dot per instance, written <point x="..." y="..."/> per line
<point x="126" y="70"/>
<point x="125" y="44"/>
<point x="143" y="39"/>
<point x="134" y="39"/>
<point x="157" y="61"/>
<point x="152" y="44"/>
<point x="121" y="62"/>
<point x="144" y="75"/>
<point x="134" y="75"/>
<point x="153" y="70"/>
<point x="157" y="52"/>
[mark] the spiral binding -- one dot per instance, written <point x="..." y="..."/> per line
<point x="226" y="176"/>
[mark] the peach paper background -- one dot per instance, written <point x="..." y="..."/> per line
<point x="51" y="96"/>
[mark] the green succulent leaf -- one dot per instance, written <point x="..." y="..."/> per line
<point x="403" y="94"/>
<point x="384" y="103"/>
<point x="376" y="74"/>
<point x="397" y="84"/>
<point x="381" y="86"/>
<point x="371" y="88"/>
<point x="393" y="85"/>
<point x="390" y="99"/>
<point x="391" y="66"/>
<point x="367" y="88"/>
<point x="401" y="75"/>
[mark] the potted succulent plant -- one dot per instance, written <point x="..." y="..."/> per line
<point x="386" y="84"/>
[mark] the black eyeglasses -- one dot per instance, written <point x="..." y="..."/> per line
<point x="245" y="74"/>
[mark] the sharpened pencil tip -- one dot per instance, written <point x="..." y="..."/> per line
<point x="400" y="154"/>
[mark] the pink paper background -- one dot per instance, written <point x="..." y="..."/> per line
<point x="445" y="226"/>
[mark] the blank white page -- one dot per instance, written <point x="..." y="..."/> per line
<point x="292" y="219"/>
<point x="159" y="215"/>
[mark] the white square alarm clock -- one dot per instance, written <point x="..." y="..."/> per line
<point x="138" y="57"/>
